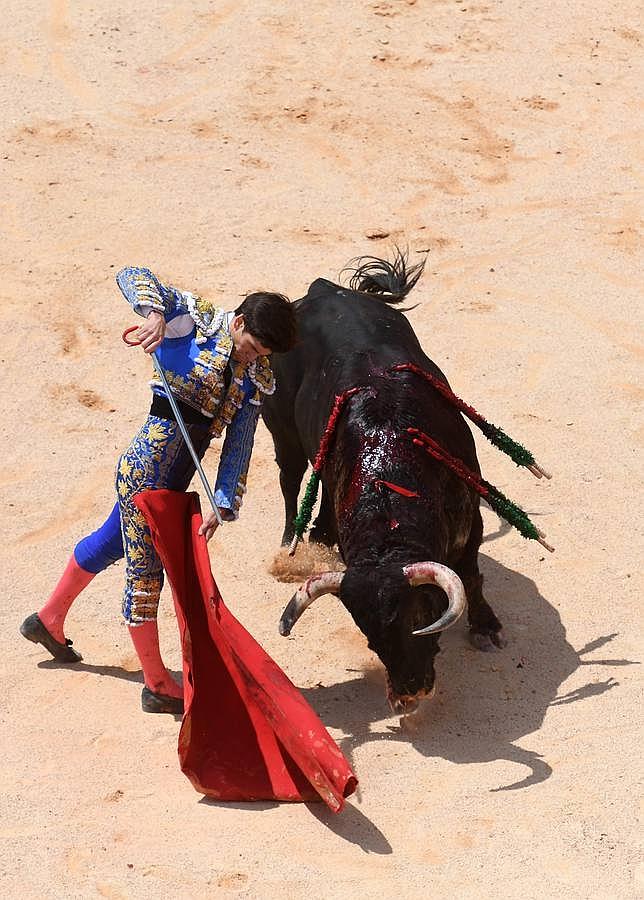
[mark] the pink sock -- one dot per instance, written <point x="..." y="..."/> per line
<point x="145" y="638"/>
<point x="53" y="613"/>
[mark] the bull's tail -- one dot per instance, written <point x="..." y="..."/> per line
<point x="389" y="281"/>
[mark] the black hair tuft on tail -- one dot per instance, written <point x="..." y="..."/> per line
<point x="389" y="281"/>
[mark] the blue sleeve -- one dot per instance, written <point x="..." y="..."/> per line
<point x="143" y="291"/>
<point x="235" y="458"/>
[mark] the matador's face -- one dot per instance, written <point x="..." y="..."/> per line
<point x="247" y="347"/>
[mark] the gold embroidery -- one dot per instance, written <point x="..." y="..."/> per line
<point x="207" y="317"/>
<point x="261" y="375"/>
<point x="203" y="387"/>
<point x="156" y="433"/>
<point x="204" y="306"/>
<point x="232" y="402"/>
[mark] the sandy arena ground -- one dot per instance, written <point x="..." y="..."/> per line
<point x="232" y="146"/>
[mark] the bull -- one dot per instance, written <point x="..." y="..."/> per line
<point x="407" y="528"/>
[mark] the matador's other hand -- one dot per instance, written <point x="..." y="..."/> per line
<point x="152" y="332"/>
<point x="209" y="525"/>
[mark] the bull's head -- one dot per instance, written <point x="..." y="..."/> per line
<point x="400" y="610"/>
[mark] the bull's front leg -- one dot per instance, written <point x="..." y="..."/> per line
<point x="290" y="481"/>
<point x="289" y="454"/>
<point x="486" y="631"/>
<point x="292" y="464"/>
<point x="325" y="530"/>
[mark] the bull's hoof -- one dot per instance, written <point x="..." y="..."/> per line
<point x="318" y="536"/>
<point x="488" y="641"/>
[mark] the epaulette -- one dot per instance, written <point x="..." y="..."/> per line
<point x="207" y="317"/>
<point x="261" y="374"/>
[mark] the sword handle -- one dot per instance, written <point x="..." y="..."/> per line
<point x="129" y="331"/>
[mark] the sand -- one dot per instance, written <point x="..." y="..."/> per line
<point x="231" y="146"/>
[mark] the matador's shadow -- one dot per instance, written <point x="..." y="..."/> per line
<point x="106" y="671"/>
<point x="487" y="702"/>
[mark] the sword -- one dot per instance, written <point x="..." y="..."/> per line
<point x="180" y="422"/>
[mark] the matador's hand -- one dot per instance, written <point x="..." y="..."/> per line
<point x="152" y="332"/>
<point x="209" y="525"/>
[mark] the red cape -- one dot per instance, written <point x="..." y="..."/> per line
<point x="247" y="732"/>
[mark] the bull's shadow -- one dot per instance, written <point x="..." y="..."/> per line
<point x="485" y="702"/>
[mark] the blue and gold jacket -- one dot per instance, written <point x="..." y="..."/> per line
<point x="195" y="354"/>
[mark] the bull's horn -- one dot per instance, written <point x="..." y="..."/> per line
<point x="435" y="573"/>
<point x="313" y="587"/>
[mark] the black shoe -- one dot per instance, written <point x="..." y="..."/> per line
<point x="34" y="630"/>
<point x="160" y="703"/>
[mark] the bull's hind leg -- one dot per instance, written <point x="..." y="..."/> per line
<point x="486" y="631"/>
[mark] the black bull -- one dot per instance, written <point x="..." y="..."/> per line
<point x="350" y="338"/>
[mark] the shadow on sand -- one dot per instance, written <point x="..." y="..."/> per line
<point x="488" y="701"/>
<point x="350" y="824"/>
<point x="107" y="671"/>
